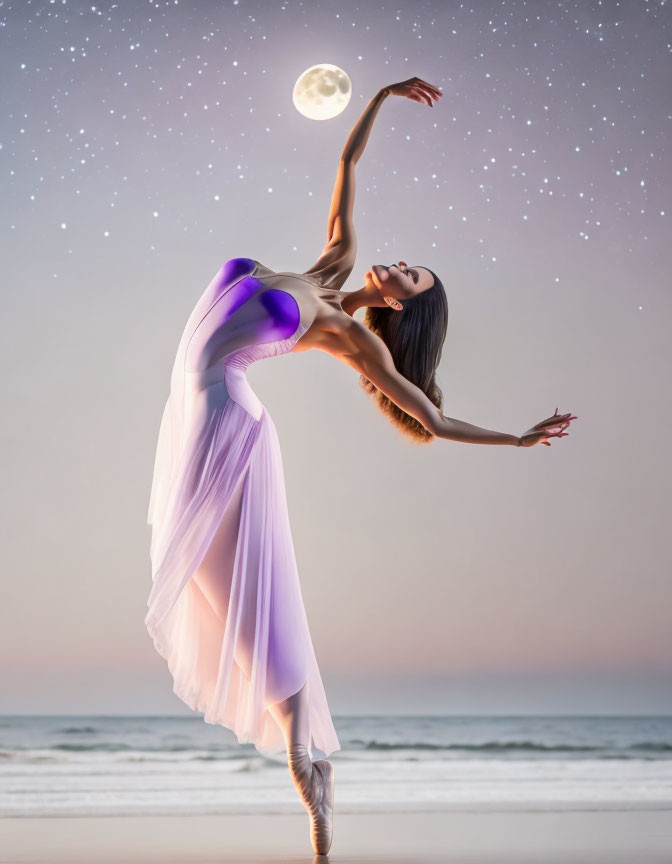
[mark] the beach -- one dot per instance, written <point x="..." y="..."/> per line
<point x="494" y="837"/>
<point x="408" y="789"/>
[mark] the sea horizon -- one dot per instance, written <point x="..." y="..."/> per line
<point x="158" y="764"/>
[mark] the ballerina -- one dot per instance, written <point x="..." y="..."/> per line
<point x="225" y="608"/>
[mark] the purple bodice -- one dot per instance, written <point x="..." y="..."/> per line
<point x="237" y="321"/>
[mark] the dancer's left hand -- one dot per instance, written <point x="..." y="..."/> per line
<point x="552" y="427"/>
<point x="417" y="89"/>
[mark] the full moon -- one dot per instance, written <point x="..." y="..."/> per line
<point x="322" y="92"/>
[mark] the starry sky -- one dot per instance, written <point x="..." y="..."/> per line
<point x="143" y="144"/>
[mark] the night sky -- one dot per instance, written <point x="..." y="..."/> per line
<point x="144" y="144"/>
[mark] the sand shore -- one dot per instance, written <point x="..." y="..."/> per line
<point x="495" y="837"/>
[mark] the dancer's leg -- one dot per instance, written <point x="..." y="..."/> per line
<point x="214" y="573"/>
<point x="292" y="716"/>
<point x="314" y="781"/>
<point x="214" y="576"/>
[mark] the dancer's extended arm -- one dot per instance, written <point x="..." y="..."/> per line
<point x="371" y="357"/>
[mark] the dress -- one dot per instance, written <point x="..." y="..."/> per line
<point x="225" y="607"/>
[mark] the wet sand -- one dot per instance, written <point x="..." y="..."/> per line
<point x="469" y="837"/>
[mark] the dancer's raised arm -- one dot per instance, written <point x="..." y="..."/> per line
<point x="340" y="224"/>
<point x="341" y="247"/>
<point x="341" y="237"/>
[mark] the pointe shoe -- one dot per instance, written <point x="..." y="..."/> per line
<point x="322" y="825"/>
<point x="314" y="781"/>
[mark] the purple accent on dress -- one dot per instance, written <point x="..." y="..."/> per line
<point x="225" y="609"/>
<point x="235" y="268"/>
<point x="284" y="313"/>
<point x="267" y="315"/>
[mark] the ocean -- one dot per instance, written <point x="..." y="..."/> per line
<point x="114" y="765"/>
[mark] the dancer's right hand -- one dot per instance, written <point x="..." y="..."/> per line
<point x="552" y="427"/>
<point x="415" y="88"/>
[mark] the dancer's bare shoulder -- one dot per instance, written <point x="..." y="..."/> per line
<point x="332" y="330"/>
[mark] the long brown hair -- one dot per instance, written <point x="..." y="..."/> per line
<point x="414" y="336"/>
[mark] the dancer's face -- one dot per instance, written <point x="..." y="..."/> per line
<point x="399" y="280"/>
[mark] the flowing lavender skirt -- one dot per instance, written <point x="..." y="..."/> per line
<point x="225" y="609"/>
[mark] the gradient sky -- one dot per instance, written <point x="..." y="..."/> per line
<point x="144" y="144"/>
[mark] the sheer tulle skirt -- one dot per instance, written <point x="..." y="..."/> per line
<point x="226" y="609"/>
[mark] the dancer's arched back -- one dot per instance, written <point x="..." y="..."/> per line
<point x="225" y="608"/>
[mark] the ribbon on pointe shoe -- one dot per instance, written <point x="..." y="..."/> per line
<point x="313" y="781"/>
<point x="303" y="775"/>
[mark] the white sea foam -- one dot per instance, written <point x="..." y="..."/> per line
<point x="132" y="766"/>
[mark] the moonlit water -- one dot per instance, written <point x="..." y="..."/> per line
<point x="70" y="765"/>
